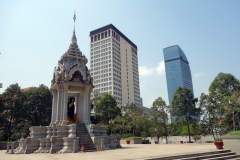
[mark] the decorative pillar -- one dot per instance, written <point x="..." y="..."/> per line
<point x="87" y="105"/>
<point x="54" y="107"/>
<point x="64" y="104"/>
<point x="76" y="104"/>
<point x="58" y="116"/>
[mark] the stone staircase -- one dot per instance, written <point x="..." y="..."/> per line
<point x="213" y="155"/>
<point x="84" y="138"/>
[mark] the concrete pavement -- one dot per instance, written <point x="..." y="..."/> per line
<point x="127" y="152"/>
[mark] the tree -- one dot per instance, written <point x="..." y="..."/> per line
<point x="175" y="128"/>
<point x="96" y="97"/>
<point x="107" y="109"/>
<point x="23" y="108"/>
<point x="144" y="125"/>
<point x="209" y="114"/>
<point x="120" y="125"/>
<point x="221" y="94"/>
<point x="1" y="118"/>
<point x="183" y="105"/>
<point x="133" y="115"/>
<point x="159" y="113"/>
<point x="13" y="111"/>
<point x="232" y="106"/>
<point x="38" y="102"/>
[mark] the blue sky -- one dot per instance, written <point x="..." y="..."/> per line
<point x="34" y="35"/>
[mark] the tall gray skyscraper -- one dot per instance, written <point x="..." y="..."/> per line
<point x="177" y="68"/>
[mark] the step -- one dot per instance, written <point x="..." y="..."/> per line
<point x="180" y="156"/>
<point x="84" y="138"/>
<point x="225" y="157"/>
<point x="209" y="156"/>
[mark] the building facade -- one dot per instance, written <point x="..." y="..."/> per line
<point x="178" y="71"/>
<point x="114" y="65"/>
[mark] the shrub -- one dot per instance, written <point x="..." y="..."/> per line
<point x="196" y="137"/>
<point x="127" y="135"/>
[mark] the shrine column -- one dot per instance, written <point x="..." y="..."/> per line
<point x="76" y="104"/>
<point x="59" y="104"/>
<point x="64" y="104"/>
<point x="87" y="105"/>
<point x="54" y="106"/>
<point x="80" y="107"/>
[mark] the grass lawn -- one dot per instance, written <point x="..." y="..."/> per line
<point x="234" y="133"/>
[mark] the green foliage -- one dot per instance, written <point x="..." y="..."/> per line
<point x="234" y="133"/>
<point x="183" y="106"/>
<point x="127" y="135"/>
<point x="209" y="114"/>
<point x="133" y="115"/>
<point x="224" y="98"/>
<point x="38" y="103"/>
<point x="106" y="109"/>
<point x="144" y="125"/>
<point x="174" y="129"/>
<point x="19" y="110"/>
<point x="96" y="98"/>
<point x="183" y="103"/>
<point x="223" y="85"/>
<point x="120" y="125"/>
<point x="196" y="137"/>
<point x="159" y="114"/>
<point x="195" y="129"/>
<point x="13" y="112"/>
<point x="218" y="139"/>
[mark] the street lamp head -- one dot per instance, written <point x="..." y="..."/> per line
<point x="111" y="121"/>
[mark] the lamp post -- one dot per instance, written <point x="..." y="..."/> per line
<point x="156" y="139"/>
<point x="111" y="122"/>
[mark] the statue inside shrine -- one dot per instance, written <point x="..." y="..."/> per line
<point x="71" y="116"/>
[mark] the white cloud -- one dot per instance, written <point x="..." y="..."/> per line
<point x="144" y="70"/>
<point x="199" y="74"/>
<point x="142" y="83"/>
<point x="160" y="69"/>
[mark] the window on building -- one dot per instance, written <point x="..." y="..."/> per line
<point x="102" y="35"/>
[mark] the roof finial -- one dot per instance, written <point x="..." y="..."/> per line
<point x="74" y="39"/>
<point x="74" y="18"/>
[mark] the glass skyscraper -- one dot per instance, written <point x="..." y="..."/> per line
<point x="177" y="68"/>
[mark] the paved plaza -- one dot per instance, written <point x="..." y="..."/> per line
<point x="127" y="152"/>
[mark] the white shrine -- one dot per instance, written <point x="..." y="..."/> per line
<point x="70" y="126"/>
